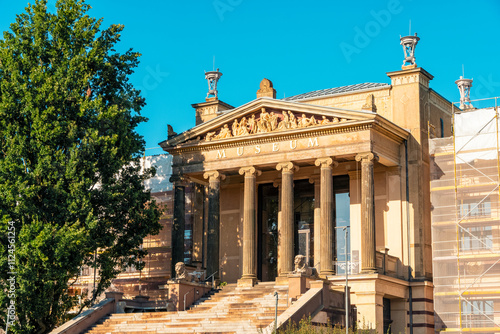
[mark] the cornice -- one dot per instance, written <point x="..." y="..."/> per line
<point x="273" y="137"/>
<point x="390" y="129"/>
<point x="212" y="102"/>
<point x="410" y="71"/>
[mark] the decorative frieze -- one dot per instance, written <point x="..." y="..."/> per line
<point x="258" y="149"/>
<point x="262" y="140"/>
<point x="269" y="122"/>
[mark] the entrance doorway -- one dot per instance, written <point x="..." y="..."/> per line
<point x="267" y="224"/>
<point x="304" y="220"/>
<point x="268" y="204"/>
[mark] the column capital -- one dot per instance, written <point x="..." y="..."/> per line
<point x="326" y="162"/>
<point x="287" y="167"/>
<point x="315" y="178"/>
<point x="214" y="175"/>
<point x="250" y="171"/>
<point x="367" y="157"/>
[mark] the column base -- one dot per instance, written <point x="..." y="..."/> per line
<point x="247" y="282"/>
<point x="325" y="274"/>
<point x="369" y="271"/>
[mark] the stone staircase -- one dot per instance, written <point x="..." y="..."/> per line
<point x="232" y="310"/>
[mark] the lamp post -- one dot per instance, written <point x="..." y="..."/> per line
<point x="276" y="312"/>
<point x="346" y="233"/>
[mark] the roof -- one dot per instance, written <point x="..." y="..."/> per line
<point x="337" y="90"/>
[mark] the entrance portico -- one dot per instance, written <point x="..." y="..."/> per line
<point x="283" y="150"/>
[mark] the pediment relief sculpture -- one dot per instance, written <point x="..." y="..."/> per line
<point x="269" y="122"/>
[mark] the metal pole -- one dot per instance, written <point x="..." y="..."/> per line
<point x="185" y="297"/>
<point x="346" y="253"/>
<point x="346" y="283"/>
<point x="276" y="312"/>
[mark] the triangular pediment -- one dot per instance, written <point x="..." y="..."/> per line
<point x="266" y="116"/>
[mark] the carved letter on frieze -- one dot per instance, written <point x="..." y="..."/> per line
<point x="313" y="142"/>
<point x="221" y="154"/>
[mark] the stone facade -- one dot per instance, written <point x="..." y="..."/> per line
<point x="253" y="165"/>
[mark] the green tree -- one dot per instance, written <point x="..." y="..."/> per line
<point x="70" y="180"/>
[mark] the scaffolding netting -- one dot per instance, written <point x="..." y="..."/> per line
<point x="466" y="224"/>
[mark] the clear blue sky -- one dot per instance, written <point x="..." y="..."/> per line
<point x="300" y="46"/>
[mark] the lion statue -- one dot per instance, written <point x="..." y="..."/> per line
<point x="181" y="273"/>
<point x="301" y="267"/>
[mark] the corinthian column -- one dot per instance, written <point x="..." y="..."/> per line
<point x="249" y="249"/>
<point x="214" y="178"/>
<point x="327" y="219"/>
<point x="285" y="234"/>
<point x="367" y="212"/>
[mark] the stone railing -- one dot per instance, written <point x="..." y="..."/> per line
<point x="388" y="265"/>
<point x="308" y="304"/>
<point x="89" y="317"/>
<point x="354" y="267"/>
<point x="113" y="303"/>
<point x="181" y="294"/>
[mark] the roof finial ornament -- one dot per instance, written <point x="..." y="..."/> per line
<point x="266" y="89"/>
<point x="464" y="86"/>
<point x="409" y="43"/>
<point x="370" y="104"/>
<point x="212" y="78"/>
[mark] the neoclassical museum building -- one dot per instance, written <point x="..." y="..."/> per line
<point x="340" y="176"/>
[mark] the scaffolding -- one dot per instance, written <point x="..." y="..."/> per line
<point x="465" y="191"/>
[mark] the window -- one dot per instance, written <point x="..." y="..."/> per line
<point x="188" y="246"/>
<point x="477" y="313"/>
<point x="475" y="209"/>
<point x="387" y="315"/>
<point x="441" y="124"/>
<point x="476" y="238"/>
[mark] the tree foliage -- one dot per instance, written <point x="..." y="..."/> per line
<point x="70" y="180"/>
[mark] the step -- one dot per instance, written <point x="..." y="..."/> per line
<point x="229" y="310"/>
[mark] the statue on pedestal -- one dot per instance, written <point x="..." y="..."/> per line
<point x="182" y="275"/>
<point x="302" y="268"/>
